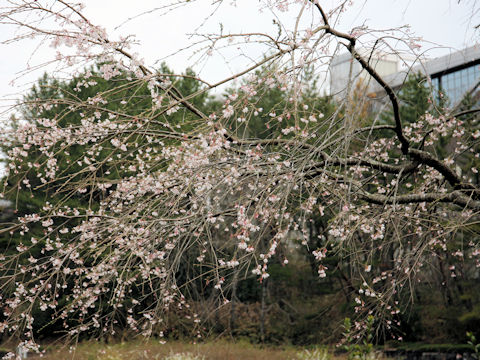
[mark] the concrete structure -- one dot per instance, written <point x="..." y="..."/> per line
<point x="344" y="70"/>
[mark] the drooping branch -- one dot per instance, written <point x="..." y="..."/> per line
<point x="371" y="71"/>
<point x="420" y="156"/>
<point x="164" y="195"/>
<point x="455" y="197"/>
<point x="453" y="179"/>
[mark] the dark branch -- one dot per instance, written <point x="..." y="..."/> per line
<point x="366" y="66"/>
<point x="454" y="197"/>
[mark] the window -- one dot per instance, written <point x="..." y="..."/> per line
<point x="457" y="83"/>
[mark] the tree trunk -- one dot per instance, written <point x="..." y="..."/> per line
<point x="233" y="302"/>
<point x="262" y="311"/>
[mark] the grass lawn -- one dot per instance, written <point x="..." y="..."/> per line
<point x="173" y="350"/>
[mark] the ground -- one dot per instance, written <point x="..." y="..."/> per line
<point x="173" y="350"/>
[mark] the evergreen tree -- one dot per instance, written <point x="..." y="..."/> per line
<point x="40" y="194"/>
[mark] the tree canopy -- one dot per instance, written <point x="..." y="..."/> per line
<point x="142" y="175"/>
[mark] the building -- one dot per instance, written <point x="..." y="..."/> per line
<point x="455" y="74"/>
<point x="344" y="70"/>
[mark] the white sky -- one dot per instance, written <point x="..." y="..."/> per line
<point x="446" y="25"/>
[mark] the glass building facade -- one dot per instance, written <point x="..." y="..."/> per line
<point x="457" y="83"/>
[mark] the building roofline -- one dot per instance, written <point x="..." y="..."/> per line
<point x="438" y="66"/>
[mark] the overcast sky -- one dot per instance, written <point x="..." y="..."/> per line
<point x="445" y="25"/>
